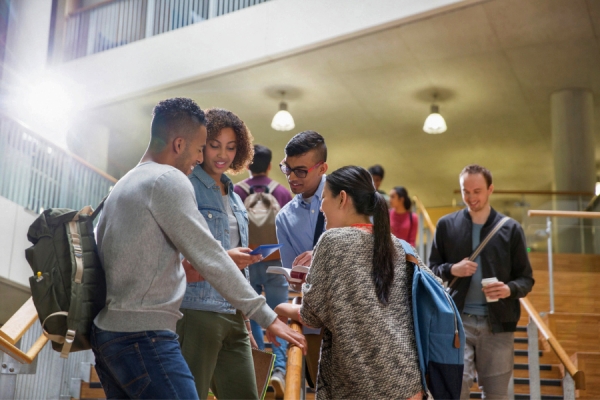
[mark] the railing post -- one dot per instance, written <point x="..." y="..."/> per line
<point x="213" y="8"/>
<point x="550" y="263"/>
<point x="150" y="17"/>
<point x="8" y="377"/>
<point x="568" y="387"/>
<point x="533" y="354"/>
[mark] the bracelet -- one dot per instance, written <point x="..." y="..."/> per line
<point x="247" y="320"/>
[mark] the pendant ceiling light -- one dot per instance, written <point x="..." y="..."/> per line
<point x="283" y="120"/>
<point x="435" y="123"/>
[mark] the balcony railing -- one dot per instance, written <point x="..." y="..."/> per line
<point x="37" y="174"/>
<point x="116" y="23"/>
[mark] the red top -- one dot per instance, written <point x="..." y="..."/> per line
<point x="363" y="227"/>
<point x="404" y="226"/>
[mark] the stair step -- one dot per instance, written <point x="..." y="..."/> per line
<point x="521" y="329"/>
<point x="543" y="367"/>
<point x="521" y="340"/>
<point x="543" y="382"/>
<point x="525" y="353"/>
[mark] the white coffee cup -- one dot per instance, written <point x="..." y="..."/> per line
<point x="487" y="281"/>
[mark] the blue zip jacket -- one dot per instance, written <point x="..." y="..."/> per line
<point x="201" y="295"/>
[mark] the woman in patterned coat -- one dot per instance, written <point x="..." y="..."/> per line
<point x="359" y="292"/>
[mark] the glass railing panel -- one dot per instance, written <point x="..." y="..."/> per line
<point x="37" y="174"/>
<point x="569" y="235"/>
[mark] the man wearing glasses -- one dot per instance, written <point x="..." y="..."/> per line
<point x="300" y="222"/>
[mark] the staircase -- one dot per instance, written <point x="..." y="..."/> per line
<point x="550" y="373"/>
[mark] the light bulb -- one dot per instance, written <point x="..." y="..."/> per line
<point x="435" y="123"/>
<point x="283" y="120"/>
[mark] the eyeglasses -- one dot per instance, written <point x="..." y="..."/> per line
<point x="299" y="172"/>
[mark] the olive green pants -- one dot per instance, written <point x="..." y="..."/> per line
<point x="217" y="349"/>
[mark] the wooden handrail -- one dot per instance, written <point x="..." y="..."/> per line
<point x="578" y="376"/>
<point x="293" y="374"/>
<point x="539" y="192"/>
<point x="15" y="328"/>
<point x="19" y="323"/>
<point x="426" y="218"/>
<point x="565" y="214"/>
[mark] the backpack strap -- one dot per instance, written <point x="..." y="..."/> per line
<point x="410" y="254"/>
<point x="244" y="186"/>
<point x="74" y="236"/>
<point x="272" y="186"/>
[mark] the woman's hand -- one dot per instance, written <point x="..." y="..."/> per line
<point x="191" y="275"/>
<point x="242" y="258"/>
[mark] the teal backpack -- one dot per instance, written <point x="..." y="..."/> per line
<point x="439" y="333"/>
<point x="69" y="286"/>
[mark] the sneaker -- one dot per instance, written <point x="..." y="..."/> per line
<point x="278" y="383"/>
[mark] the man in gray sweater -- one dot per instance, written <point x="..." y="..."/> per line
<point x="150" y="218"/>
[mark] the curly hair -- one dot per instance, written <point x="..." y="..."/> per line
<point x="218" y="119"/>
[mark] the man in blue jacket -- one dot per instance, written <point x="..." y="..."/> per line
<point x="490" y="314"/>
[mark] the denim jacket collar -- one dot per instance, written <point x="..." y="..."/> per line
<point x="208" y="181"/>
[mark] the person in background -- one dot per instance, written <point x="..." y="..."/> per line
<point x="275" y="286"/>
<point x="403" y="221"/>
<point x="377" y="172"/>
<point x="215" y="337"/>
<point x="359" y="291"/>
<point x="300" y="222"/>
<point x="489" y="324"/>
<point x="150" y="217"/>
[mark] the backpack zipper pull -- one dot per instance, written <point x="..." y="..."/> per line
<point x="39" y="277"/>
<point x="456" y="340"/>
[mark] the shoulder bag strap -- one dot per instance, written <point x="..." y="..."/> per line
<point x="319" y="228"/>
<point x="482" y="245"/>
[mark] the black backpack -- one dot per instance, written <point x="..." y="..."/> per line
<point x="69" y="286"/>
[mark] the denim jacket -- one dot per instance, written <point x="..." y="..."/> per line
<point x="201" y="295"/>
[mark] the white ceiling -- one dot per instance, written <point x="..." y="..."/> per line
<point x="494" y="64"/>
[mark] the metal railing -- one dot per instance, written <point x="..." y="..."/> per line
<point x="116" y="23"/>
<point x="573" y="378"/>
<point x="37" y="174"/>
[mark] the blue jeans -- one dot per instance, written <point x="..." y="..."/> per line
<point x="276" y="291"/>
<point x="141" y="365"/>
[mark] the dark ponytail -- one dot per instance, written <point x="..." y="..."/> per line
<point x="358" y="183"/>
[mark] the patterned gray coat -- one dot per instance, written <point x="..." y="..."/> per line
<point x="369" y="350"/>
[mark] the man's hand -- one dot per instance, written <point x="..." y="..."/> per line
<point x="279" y="329"/>
<point x="241" y="258"/>
<point x="496" y="290"/>
<point x="303" y="259"/>
<point x="464" y="268"/>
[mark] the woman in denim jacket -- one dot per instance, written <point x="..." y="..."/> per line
<point x="216" y="338"/>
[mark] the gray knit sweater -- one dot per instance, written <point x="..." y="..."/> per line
<point x="369" y="350"/>
<point x="150" y="217"/>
